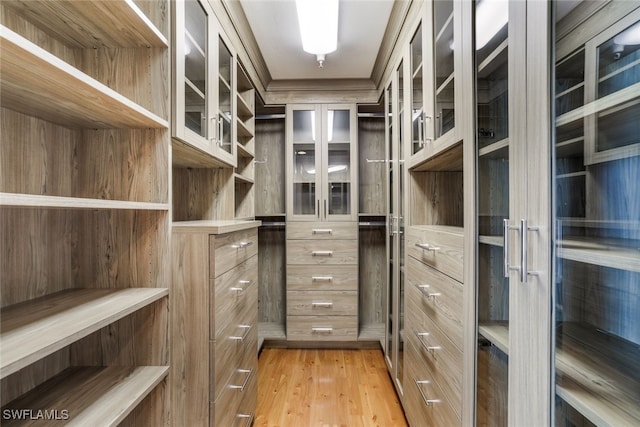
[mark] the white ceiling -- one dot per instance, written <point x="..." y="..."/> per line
<point x="361" y="25"/>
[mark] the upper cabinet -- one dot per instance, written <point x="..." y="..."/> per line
<point x="203" y="86"/>
<point x="321" y="162"/>
<point x="436" y="57"/>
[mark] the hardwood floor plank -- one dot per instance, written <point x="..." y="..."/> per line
<point x="319" y="387"/>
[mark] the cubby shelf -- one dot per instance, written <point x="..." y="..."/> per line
<point x="91" y="395"/>
<point x="243" y="179"/>
<point x="15" y="200"/>
<point x="244" y="152"/>
<point x="38" y="83"/>
<point x="34" y="329"/>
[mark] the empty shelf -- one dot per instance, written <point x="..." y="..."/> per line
<point x="497" y="333"/>
<point x="605" y="253"/>
<point x="16" y="200"/>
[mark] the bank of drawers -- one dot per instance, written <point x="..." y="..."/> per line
<point x="433" y="325"/>
<point x="322" y="281"/>
<point x="233" y="327"/>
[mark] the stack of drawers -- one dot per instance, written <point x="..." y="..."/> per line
<point x="233" y="327"/>
<point x="433" y="389"/>
<point x="322" y="281"/>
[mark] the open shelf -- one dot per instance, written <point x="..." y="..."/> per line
<point x="497" y="333"/>
<point x="91" y="24"/>
<point x="491" y="240"/>
<point x="242" y="179"/>
<point x="38" y="83"/>
<point x="91" y="395"/>
<point x="243" y="109"/>
<point x="371" y="332"/>
<point x="496" y="150"/>
<point x="243" y="130"/>
<point x="243" y="152"/>
<point x="603" y="252"/>
<point x="19" y="200"/>
<point x="34" y="329"/>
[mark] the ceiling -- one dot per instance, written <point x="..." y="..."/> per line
<point x="361" y="26"/>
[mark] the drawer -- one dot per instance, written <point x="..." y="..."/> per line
<point x="438" y="247"/>
<point x="229" y="350"/>
<point x="314" y="252"/>
<point x="438" y="296"/>
<point x="319" y="278"/>
<point x="438" y="352"/>
<point x="235" y="294"/>
<point x="320" y="303"/>
<point x="424" y="402"/>
<point x="228" y="250"/>
<point x="231" y="406"/>
<point x="322" y="328"/>
<point x="322" y="230"/>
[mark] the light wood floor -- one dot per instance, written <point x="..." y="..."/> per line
<point x="313" y="387"/>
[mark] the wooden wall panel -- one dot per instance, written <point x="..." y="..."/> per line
<point x="270" y="170"/>
<point x="493" y="293"/>
<point x="203" y="194"/>
<point x="491" y="410"/>
<point x="372" y="275"/>
<point x="272" y="268"/>
<point x="436" y="198"/>
<point x="372" y="174"/>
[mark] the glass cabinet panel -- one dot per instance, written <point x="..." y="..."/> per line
<point x="443" y="63"/>
<point x="399" y="236"/>
<point x="225" y="108"/>
<point x="339" y="162"/>
<point x="597" y="220"/>
<point x="417" y="98"/>
<point x="493" y="209"/>
<point x="195" y="68"/>
<point x="304" y="162"/>
<point x="390" y="333"/>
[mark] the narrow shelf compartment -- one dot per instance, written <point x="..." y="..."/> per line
<point x="242" y="179"/>
<point x="15" y="200"/>
<point x="244" y="152"/>
<point x="38" y="83"/>
<point x="91" y="395"/>
<point x="114" y="23"/>
<point x="491" y="240"/>
<point x="606" y="253"/>
<point x="243" y="108"/>
<point x="497" y="333"/>
<point x="34" y="329"/>
<point x="243" y="130"/>
<point x="496" y="150"/>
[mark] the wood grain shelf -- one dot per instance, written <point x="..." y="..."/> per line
<point x="243" y="109"/>
<point x="34" y="329"/>
<point x="38" y="83"/>
<point x="242" y="179"/>
<point x="92" y="24"/>
<point x="606" y="253"/>
<point x="243" y="152"/>
<point x="243" y="130"/>
<point x="491" y="240"/>
<point x="496" y="150"/>
<point x="15" y="200"/>
<point x="497" y="333"/>
<point x="91" y="395"/>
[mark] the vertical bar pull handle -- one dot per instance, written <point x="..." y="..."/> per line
<point x="524" y="251"/>
<point x="507" y="247"/>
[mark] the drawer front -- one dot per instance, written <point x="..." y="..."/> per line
<point x="438" y="296"/>
<point x="438" y="352"/>
<point x="322" y="328"/>
<point x="424" y="402"/>
<point x="229" y="350"/>
<point x="341" y="303"/>
<point x="439" y="249"/>
<point x="235" y="294"/>
<point x="237" y="397"/>
<point x="228" y="250"/>
<point x="314" y="278"/>
<point x="322" y="230"/>
<point x="315" y="252"/>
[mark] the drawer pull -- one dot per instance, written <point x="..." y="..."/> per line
<point x="322" y="253"/>
<point x="246" y="380"/>
<point x="427" y="401"/>
<point x="241" y="245"/>
<point x="322" y="231"/>
<point x="322" y="278"/>
<point x="246" y="328"/>
<point x="431" y="348"/>
<point x="322" y="330"/>
<point x="427" y="294"/>
<point x="322" y="304"/>
<point x="248" y="417"/>
<point x="244" y="284"/>
<point x="427" y="247"/>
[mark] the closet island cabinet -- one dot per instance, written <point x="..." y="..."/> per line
<point x="84" y="213"/>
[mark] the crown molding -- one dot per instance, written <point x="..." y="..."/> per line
<point x="321" y="91"/>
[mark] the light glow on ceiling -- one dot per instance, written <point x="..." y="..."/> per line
<point x="491" y="17"/>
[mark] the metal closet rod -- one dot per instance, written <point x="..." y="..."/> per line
<point x="270" y="116"/>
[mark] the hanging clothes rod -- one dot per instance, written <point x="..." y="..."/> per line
<point x="270" y="116"/>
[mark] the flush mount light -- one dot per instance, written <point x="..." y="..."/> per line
<point x="491" y="16"/>
<point x="630" y="36"/>
<point x="318" y="21"/>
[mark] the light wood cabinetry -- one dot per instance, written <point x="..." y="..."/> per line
<point x="214" y="322"/>
<point x="244" y="175"/>
<point x="84" y="213"/>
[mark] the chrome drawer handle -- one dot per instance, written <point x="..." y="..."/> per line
<point x="322" y="253"/>
<point x="322" y="231"/>
<point x="425" y="293"/>
<point x="322" y="304"/>
<point x="325" y="330"/>
<point x="427" y="247"/>
<point x="246" y="380"/>
<point x="247" y="328"/>
<point x="322" y="278"/>
<point x="244" y="285"/>
<point x="427" y="401"/>
<point x="249" y="418"/>
<point x="428" y="347"/>
<point x="241" y="245"/>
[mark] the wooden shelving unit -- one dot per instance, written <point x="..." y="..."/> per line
<point x="84" y="191"/>
<point x="245" y="145"/>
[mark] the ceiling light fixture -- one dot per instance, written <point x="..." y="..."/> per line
<point x="318" y="20"/>
<point x="491" y="16"/>
<point x="630" y="36"/>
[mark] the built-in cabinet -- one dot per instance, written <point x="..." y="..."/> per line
<point x="84" y="211"/>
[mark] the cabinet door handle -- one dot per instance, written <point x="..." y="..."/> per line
<point x="322" y="304"/>
<point x="322" y="278"/>
<point x="425" y="293"/>
<point x="524" y="251"/>
<point x="325" y="208"/>
<point x="246" y="328"/>
<point x="427" y="347"/>
<point x="318" y="204"/>
<point x="507" y="247"/>
<point x="322" y="330"/>
<point x="427" y="247"/>
<point x="427" y="401"/>
<point x="321" y="253"/>
<point x="322" y="231"/>
<point x="244" y="284"/>
<point x="241" y="245"/>
<point x="246" y="380"/>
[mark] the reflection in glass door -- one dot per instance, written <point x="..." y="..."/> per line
<point x="225" y="106"/>
<point x="338" y="186"/>
<point x="305" y="163"/>
<point x="391" y="224"/>
<point x="195" y="68"/>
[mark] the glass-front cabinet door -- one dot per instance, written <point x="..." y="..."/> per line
<point x="390" y="347"/>
<point x="418" y="110"/>
<point x="225" y="133"/>
<point x="597" y="216"/>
